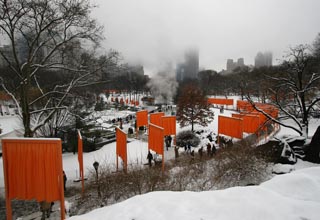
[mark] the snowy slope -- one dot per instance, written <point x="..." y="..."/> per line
<point x="290" y="196"/>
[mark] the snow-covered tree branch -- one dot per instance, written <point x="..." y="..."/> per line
<point x="45" y="56"/>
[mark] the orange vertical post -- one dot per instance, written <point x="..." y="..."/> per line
<point x="80" y="160"/>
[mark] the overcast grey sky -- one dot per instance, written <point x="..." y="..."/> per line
<point x="155" y="32"/>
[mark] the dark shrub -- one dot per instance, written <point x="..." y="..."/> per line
<point x="187" y="137"/>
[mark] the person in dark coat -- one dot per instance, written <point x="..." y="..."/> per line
<point x="166" y="141"/>
<point x="149" y="157"/>
<point x="169" y="140"/>
<point x="200" y="151"/>
<point x="64" y="180"/>
<point x="208" y="149"/>
<point x="176" y="151"/>
<point x="213" y="150"/>
<point x="192" y="155"/>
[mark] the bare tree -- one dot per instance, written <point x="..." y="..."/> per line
<point x="193" y="107"/>
<point x="42" y="34"/>
<point x="295" y="90"/>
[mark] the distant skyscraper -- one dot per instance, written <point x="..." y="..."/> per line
<point x="263" y="59"/>
<point x="230" y="65"/>
<point x="233" y="65"/>
<point x="190" y="67"/>
<point x="240" y="62"/>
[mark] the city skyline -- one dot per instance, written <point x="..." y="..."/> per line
<point x="153" y="33"/>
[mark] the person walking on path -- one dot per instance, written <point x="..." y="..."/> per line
<point x="149" y="157"/>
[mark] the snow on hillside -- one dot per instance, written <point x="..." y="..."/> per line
<point x="290" y="196"/>
<point x="137" y="149"/>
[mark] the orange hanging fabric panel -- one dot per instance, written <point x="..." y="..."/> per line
<point x="156" y="118"/>
<point x="220" y="101"/>
<point x="121" y="146"/>
<point x="244" y="106"/>
<point x="232" y="127"/>
<point x="169" y="125"/>
<point x="155" y="140"/>
<point x="142" y="118"/>
<point x="33" y="170"/>
<point x="80" y="159"/>
<point x="251" y="123"/>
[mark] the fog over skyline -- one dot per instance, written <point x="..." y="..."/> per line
<point x="157" y="32"/>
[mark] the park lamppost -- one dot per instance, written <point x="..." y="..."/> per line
<point x="96" y="166"/>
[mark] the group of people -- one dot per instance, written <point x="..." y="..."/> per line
<point x="211" y="149"/>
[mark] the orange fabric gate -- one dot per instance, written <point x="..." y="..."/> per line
<point x="142" y="118"/>
<point x="232" y="127"/>
<point x="155" y="118"/>
<point x="251" y="123"/>
<point x="169" y="125"/>
<point x="121" y="147"/>
<point x="155" y="140"/>
<point x="33" y="170"/>
<point x="220" y="101"/>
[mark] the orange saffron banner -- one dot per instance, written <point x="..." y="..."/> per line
<point x="142" y="118"/>
<point x="33" y="170"/>
<point x="155" y="140"/>
<point x="155" y="118"/>
<point x="220" y="101"/>
<point x="269" y="109"/>
<point x="80" y="159"/>
<point x="121" y="147"/>
<point x="244" y="106"/>
<point x="251" y="123"/>
<point x="229" y="126"/>
<point x="169" y="125"/>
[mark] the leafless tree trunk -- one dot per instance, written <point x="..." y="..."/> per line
<point x="47" y="35"/>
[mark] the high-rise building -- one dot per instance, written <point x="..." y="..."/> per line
<point x="231" y="66"/>
<point x="240" y="62"/>
<point x="263" y="59"/>
<point x="190" y="67"/>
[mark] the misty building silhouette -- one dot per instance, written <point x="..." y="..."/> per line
<point x="190" y="67"/>
<point x="233" y="65"/>
<point x="263" y="59"/>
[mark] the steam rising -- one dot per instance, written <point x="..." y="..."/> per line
<point x="163" y="86"/>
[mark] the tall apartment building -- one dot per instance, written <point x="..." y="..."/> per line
<point x="190" y="67"/>
<point x="231" y="66"/>
<point x="263" y="59"/>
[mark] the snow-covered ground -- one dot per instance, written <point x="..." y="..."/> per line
<point x="291" y="196"/>
<point x="286" y="197"/>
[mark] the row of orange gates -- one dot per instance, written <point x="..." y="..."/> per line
<point x="33" y="166"/>
<point x="248" y="120"/>
<point x="127" y="101"/>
